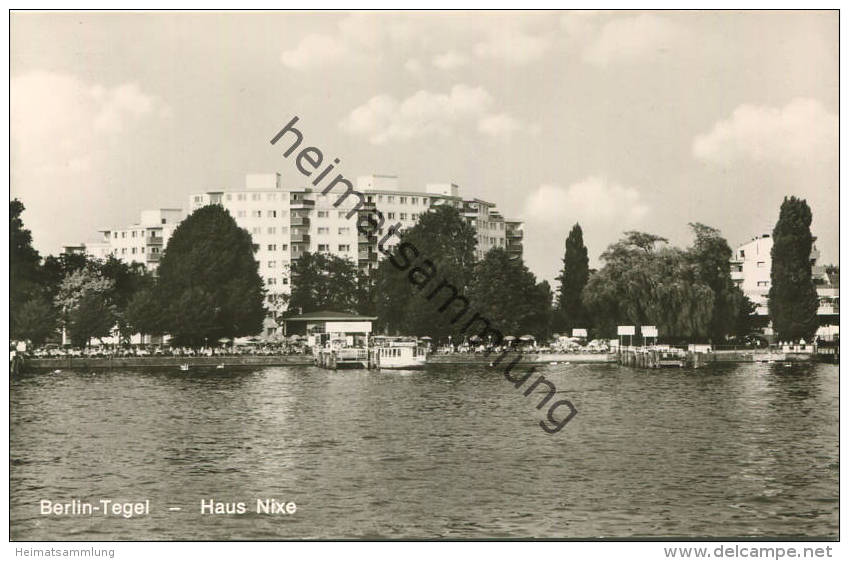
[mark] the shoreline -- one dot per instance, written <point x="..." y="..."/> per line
<point x="72" y="363"/>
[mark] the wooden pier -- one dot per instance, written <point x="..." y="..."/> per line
<point x="650" y="357"/>
<point x="334" y="359"/>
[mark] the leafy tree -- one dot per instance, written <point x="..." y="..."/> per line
<point x="644" y="284"/>
<point x="24" y="263"/>
<point x="92" y="317"/>
<point x="127" y="280"/>
<point x="710" y="258"/>
<point x="73" y="289"/>
<point x="365" y="295"/>
<point x="78" y="284"/>
<point x="56" y="268"/>
<point x="573" y="278"/>
<point x="744" y="323"/>
<point x="540" y="322"/>
<point x="793" y="298"/>
<point x="35" y="321"/>
<point x="143" y="313"/>
<point x="322" y="281"/>
<point x="209" y="285"/>
<point x="445" y="251"/>
<point x="506" y="293"/>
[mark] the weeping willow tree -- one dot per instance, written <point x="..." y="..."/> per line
<point x="646" y="282"/>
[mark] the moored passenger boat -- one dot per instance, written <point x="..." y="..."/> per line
<point x="399" y="352"/>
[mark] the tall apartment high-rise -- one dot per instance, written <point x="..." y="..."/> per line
<point x="285" y="222"/>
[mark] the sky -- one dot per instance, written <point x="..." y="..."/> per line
<point x="614" y="120"/>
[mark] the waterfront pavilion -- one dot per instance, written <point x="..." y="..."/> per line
<point x="323" y="326"/>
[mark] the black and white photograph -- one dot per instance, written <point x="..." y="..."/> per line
<point x="424" y="275"/>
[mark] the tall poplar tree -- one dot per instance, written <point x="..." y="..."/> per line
<point x="793" y="300"/>
<point x="573" y="278"/>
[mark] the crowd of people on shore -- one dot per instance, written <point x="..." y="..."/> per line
<point x="528" y="346"/>
<point x="165" y="351"/>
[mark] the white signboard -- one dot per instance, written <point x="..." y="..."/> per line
<point x="579" y="332"/>
<point x="625" y="330"/>
<point x="649" y="331"/>
<point x="348" y="327"/>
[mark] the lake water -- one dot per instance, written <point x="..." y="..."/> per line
<point x="449" y="452"/>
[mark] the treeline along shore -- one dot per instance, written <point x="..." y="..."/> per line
<point x="207" y="290"/>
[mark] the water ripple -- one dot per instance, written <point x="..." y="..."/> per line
<point x="738" y="450"/>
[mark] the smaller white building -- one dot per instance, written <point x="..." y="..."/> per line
<point x="751" y="267"/>
<point x="751" y="270"/>
<point x="142" y="242"/>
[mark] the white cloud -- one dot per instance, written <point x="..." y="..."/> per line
<point x="504" y="125"/>
<point x="315" y="50"/>
<point x="60" y="123"/>
<point x="511" y="38"/>
<point x="383" y="118"/>
<point x="800" y="133"/>
<point x="623" y="39"/>
<point x="450" y="60"/>
<point x="355" y="38"/>
<point x="594" y="200"/>
<point x="514" y="46"/>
